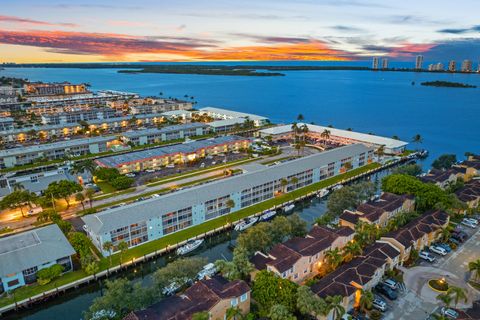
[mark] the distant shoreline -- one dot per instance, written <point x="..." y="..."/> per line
<point x="226" y="70"/>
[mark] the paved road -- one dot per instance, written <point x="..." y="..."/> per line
<point x="418" y="302"/>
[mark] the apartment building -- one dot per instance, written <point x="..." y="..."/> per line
<point x="54" y="88"/>
<point x="6" y="123"/>
<point x="159" y="106"/>
<point x="418" y="233"/>
<point x="224" y="114"/>
<point x="337" y="136"/>
<point x="470" y="193"/>
<point x="222" y="126"/>
<point x="362" y="273"/>
<point x="301" y="258"/>
<point x="75" y="116"/>
<point x="175" y="132"/>
<point x="22" y="255"/>
<point x="156" y="158"/>
<point x="152" y="219"/>
<point x="214" y="295"/>
<point x="379" y="211"/>
<point x="58" y="150"/>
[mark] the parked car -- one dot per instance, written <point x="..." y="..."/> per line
<point x="171" y="165"/>
<point x="130" y="175"/>
<point x="392" y="284"/>
<point x="34" y="211"/>
<point x="459" y="235"/>
<point x="426" y="256"/>
<point x="445" y="246"/>
<point x="468" y="223"/>
<point x="449" y="313"/>
<point x="386" y="291"/>
<point x="150" y="170"/>
<point x="380" y="304"/>
<point x="454" y="241"/>
<point x="472" y="220"/>
<point x="438" y="250"/>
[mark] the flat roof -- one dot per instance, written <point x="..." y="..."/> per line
<point x="176" y="112"/>
<point x="187" y="147"/>
<point x="32" y="248"/>
<point x="226" y="122"/>
<point x="111" y="219"/>
<point x="54" y="145"/>
<point x="233" y="114"/>
<point x="6" y="119"/>
<point x="155" y="131"/>
<point x="358" y="136"/>
<point x="71" y="125"/>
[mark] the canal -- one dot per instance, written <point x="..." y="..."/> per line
<point x="73" y="303"/>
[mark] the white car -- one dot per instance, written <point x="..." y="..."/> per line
<point x="392" y="284"/>
<point x="130" y="175"/>
<point x="472" y="220"/>
<point x="156" y="195"/>
<point x="150" y="170"/>
<point x="171" y="165"/>
<point x="438" y="250"/>
<point x="426" y="256"/>
<point x="379" y="304"/>
<point x="468" y="223"/>
<point x="449" y="313"/>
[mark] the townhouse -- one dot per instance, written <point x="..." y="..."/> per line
<point x="301" y="258"/>
<point x="160" y="105"/>
<point x="362" y="273"/>
<point x="222" y="126"/>
<point x="75" y="116"/>
<point x="175" y="132"/>
<point x="214" y="295"/>
<point x="22" y="255"/>
<point x="470" y="193"/>
<point x="418" y="233"/>
<point x="54" y="88"/>
<point x="320" y="134"/>
<point x="440" y="178"/>
<point x="6" y="123"/>
<point x="378" y="211"/>
<point x="152" y="219"/>
<point x="57" y="150"/>
<point x="155" y="158"/>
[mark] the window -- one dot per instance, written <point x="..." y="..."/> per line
<point x="13" y="283"/>
<point x="243" y="297"/>
<point x="234" y="302"/>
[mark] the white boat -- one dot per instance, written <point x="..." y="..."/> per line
<point x="171" y="289"/>
<point x="338" y="187"/>
<point x="207" y="271"/>
<point x="289" y="207"/>
<point x="268" y="215"/>
<point x="245" y="224"/>
<point x="189" y="246"/>
<point x="323" y="193"/>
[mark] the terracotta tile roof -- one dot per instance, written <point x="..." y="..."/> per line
<point x="418" y="227"/>
<point x="201" y="296"/>
<point x="438" y="176"/>
<point x="470" y="314"/>
<point x="469" y="192"/>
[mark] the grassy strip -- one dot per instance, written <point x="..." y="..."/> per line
<point x="114" y="194"/>
<point x="279" y="159"/>
<point x="152" y="246"/>
<point x="105" y="187"/>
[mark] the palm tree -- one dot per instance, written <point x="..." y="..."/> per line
<point x="230" y="203"/>
<point x="294" y="181"/>
<point x="234" y="314"/>
<point x="284" y="183"/>
<point x="325" y="135"/>
<point x="123" y="247"/>
<point x="80" y="197"/>
<point x="89" y="195"/>
<point x="334" y="258"/>
<point x="366" y="300"/>
<point x="445" y="234"/>
<point x="457" y="294"/>
<point x="474" y="266"/>
<point x="82" y="166"/>
<point x="304" y="131"/>
<point x="352" y="249"/>
<point x="17" y="186"/>
<point x="438" y="316"/>
<point x="336" y="306"/>
<point x="445" y="298"/>
<point x="381" y="151"/>
<point x="395" y="137"/>
<point x="300" y="117"/>
<point x="108" y="246"/>
<point x="418" y="139"/>
<point x="295" y="131"/>
<point x="204" y="315"/>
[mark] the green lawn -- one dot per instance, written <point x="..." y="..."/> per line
<point x="152" y="246"/>
<point x="114" y="194"/>
<point x="105" y="187"/>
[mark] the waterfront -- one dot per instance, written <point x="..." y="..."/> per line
<point x="384" y="103"/>
<point x="72" y="304"/>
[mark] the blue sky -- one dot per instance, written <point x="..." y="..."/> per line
<point x="61" y="31"/>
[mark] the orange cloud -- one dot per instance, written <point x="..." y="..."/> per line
<point x="18" y="20"/>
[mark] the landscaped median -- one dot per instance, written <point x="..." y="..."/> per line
<point x="180" y="236"/>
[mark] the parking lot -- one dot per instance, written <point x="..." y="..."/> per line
<point x="418" y="301"/>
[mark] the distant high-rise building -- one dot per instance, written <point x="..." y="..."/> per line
<point x="452" y="66"/>
<point x="419" y="62"/>
<point x="436" y="67"/>
<point x="467" y="66"/>
<point x="431" y="67"/>
<point x="375" y="63"/>
<point x="384" y="63"/>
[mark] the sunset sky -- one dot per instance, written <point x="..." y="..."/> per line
<point x="198" y="30"/>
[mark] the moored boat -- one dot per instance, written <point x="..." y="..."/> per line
<point x="171" y="289"/>
<point x="245" y="224"/>
<point x="289" y="207"/>
<point x="207" y="271"/>
<point x="268" y="215"/>
<point x="189" y="246"/>
<point x="323" y="193"/>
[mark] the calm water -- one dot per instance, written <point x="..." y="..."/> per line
<point x="383" y="103"/>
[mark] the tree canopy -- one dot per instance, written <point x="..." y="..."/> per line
<point x="445" y="161"/>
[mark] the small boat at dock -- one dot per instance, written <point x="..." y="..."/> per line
<point x="207" y="271"/>
<point x="245" y="224"/>
<point x="268" y="215"/>
<point x="189" y="246"/>
<point x="289" y="207"/>
<point x="323" y="193"/>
